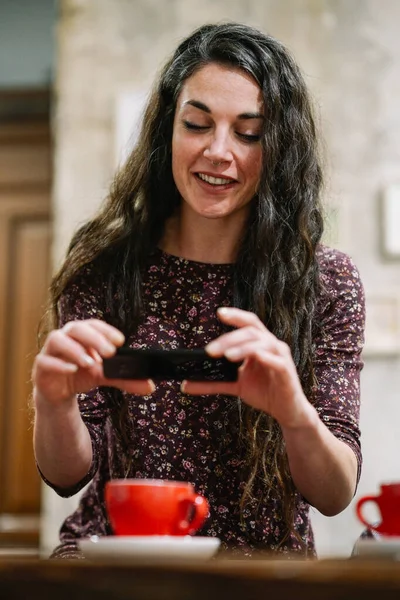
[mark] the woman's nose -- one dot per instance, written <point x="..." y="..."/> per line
<point x="219" y="149"/>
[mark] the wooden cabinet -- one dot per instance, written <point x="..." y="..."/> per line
<point x="25" y="180"/>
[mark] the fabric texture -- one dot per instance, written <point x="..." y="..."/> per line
<point x="180" y="437"/>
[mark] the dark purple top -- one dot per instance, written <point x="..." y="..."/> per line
<point x="181" y="437"/>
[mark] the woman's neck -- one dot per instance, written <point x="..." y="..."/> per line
<point x="202" y="240"/>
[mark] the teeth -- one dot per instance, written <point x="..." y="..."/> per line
<point x="214" y="180"/>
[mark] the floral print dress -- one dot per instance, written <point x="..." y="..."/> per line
<point x="196" y="438"/>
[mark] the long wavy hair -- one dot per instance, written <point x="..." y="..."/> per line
<point x="276" y="274"/>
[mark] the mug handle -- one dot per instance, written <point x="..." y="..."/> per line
<point x="201" y="510"/>
<point x="360" y="503"/>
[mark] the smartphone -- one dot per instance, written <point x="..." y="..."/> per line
<point x="157" y="364"/>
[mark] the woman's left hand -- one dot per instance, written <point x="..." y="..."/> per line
<point x="267" y="379"/>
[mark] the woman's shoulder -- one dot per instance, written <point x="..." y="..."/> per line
<point x="341" y="287"/>
<point x="337" y="267"/>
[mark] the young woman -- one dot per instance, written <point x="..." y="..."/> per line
<point x="210" y="237"/>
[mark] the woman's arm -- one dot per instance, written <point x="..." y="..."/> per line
<point x="323" y="468"/>
<point x="62" y="443"/>
<point x="322" y="440"/>
<point x="71" y="407"/>
<point x="333" y="449"/>
<point x="69" y="364"/>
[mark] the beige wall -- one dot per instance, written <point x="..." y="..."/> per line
<point x="350" y="53"/>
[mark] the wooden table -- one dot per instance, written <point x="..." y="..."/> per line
<point x="353" y="579"/>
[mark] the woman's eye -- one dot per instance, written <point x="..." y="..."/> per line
<point x="194" y="126"/>
<point x="250" y="138"/>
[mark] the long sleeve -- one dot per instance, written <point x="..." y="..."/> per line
<point x="338" y="348"/>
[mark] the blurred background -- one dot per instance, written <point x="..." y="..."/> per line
<point x="73" y="78"/>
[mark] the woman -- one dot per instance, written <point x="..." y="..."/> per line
<point x="211" y="237"/>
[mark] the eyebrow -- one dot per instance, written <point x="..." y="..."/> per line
<point x="243" y="116"/>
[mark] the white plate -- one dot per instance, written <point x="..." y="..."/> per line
<point x="388" y="547"/>
<point x="138" y="549"/>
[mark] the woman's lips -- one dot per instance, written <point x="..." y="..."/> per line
<point x="215" y="187"/>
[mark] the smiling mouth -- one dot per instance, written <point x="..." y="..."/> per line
<point x="215" y="181"/>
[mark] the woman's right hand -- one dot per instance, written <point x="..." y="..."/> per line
<point x="70" y="362"/>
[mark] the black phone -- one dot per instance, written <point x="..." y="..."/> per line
<point x="158" y="364"/>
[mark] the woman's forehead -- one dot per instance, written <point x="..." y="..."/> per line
<point x="218" y="86"/>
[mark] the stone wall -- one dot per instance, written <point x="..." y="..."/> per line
<point x="349" y="51"/>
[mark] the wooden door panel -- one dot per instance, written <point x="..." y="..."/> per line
<point x="25" y="177"/>
<point x="28" y="283"/>
<point x="20" y="214"/>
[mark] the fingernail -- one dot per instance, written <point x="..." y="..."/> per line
<point x="107" y="349"/>
<point x="222" y="310"/>
<point x="183" y="386"/>
<point x="118" y="337"/>
<point x="87" y="361"/>
<point x="212" y="348"/>
<point x="232" y="353"/>
<point x="71" y="368"/>
<point x="152" y="385"/>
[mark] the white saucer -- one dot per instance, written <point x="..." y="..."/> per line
<point x="382" y="547"/>
<point x="138" y="549"/>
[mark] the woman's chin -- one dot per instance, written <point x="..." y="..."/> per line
<point x="217" y="211"/>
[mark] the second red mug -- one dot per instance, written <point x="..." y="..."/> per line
<point x="388" y="502"/>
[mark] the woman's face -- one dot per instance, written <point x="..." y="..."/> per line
<point x="216" y="147"/>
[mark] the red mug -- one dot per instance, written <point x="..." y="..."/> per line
<point x="154" y="507"/>
<point x="388" y="503"/>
